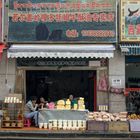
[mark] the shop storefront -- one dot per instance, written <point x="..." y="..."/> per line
<point x="132" y="63"/>
<point x="78" y="40"/>
<point x="130" y="48"/>
<point x="57" y="73"/>
<point x="52" y="73"/>
<point x="66" y="51"/>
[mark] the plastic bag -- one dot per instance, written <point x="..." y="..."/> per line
<point x="103" y="84"/>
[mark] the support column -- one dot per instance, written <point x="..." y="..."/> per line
<point x="117" y="71"/>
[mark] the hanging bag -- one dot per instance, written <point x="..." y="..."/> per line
<point x="103" y="84"/>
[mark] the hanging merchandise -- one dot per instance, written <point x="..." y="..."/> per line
<point x="103" y="81"/>
<point x="116" y="90"/>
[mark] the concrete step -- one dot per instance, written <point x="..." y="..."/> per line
<point x="46" y="138"/>
<point x="66" y="135"/>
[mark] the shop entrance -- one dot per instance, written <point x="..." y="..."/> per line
<point x="132" y="70"/>
<point x="54" y="85"/>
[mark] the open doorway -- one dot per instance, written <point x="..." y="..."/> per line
<point x="55" y="85"/>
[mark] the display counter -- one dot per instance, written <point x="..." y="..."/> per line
<point x="46" y="114"/>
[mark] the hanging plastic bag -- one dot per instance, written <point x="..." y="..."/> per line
<point x="103" y="83"/>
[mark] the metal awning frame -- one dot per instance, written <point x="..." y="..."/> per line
<point x="61" y="51"/>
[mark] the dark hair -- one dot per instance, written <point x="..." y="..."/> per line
<point x="33" y="98"/>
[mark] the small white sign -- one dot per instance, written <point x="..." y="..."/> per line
<point x="94" y="63"/>
<point x="116" y="82"/>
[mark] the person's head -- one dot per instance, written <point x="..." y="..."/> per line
<point x="42" y="99"/>
<point x="33" y="99"/>
<point x="71" y="97"/>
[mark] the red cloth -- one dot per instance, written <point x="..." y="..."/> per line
<point x="1" y="51"/>
<point x="1" y="48"/>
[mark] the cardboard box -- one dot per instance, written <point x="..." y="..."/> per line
<point x="93" y="125"/>
<point x="118" y="126"/>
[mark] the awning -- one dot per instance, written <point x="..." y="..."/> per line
<point x="130" y="49"/>
<point x="61" y="51"/>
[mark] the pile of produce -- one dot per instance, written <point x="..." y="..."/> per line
<point x="81" y="104"/>
<point x="78" y="104"/>
<point x="105" y="116"/>
<point x="133" y="116"/>
<point x="60" y="104"/>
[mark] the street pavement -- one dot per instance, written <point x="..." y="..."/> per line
<point x="61" y="135"/>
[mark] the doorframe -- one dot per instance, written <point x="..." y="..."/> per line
<point x="63" y="68"/>
<point x="59" y="68"/>
<point x="95" y="92"/>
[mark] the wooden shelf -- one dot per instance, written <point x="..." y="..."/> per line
<point x="12" y="111"/>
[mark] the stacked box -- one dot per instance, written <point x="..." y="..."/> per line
<point x="93" y="125"/>
<point x="118" y="126"/>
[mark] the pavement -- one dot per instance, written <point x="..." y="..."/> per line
<point x="66" y="135"/>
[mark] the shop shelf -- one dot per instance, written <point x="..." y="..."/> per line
<point x="12" y="115"/>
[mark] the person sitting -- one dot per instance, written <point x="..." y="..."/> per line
<point x="30" y="109"/>
<point x="43" y="103"/>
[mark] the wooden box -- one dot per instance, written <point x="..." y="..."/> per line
<point x="93" y="125"/>
<point x="118" y="126"/>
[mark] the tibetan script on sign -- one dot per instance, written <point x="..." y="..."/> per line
<point x="62" y="21"/>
